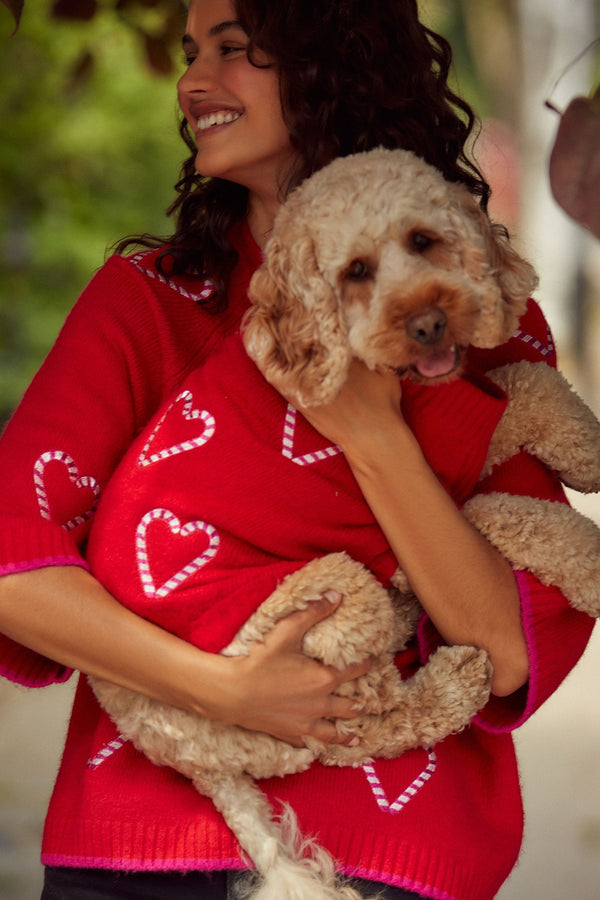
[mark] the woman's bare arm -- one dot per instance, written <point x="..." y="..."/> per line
<point x="66" y="615"/>
<point x="465" y="585"/>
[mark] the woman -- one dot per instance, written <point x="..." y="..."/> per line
<point x="272" y="92"/>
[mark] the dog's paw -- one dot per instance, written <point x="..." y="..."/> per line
<point x="439" y="700"/>
<point x="456" y="683"/>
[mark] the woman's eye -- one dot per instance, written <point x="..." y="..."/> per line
<point x="228" y="49"/>
<point x="358" y="270"/>
<point x="224" y="50"/>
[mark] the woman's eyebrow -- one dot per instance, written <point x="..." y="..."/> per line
<point x="187" y="40"/>
<point x="224" y="26"/>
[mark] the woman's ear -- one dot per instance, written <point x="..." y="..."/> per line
<point x="293" y="330"/>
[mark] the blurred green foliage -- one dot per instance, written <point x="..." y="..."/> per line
<point x="89" y="154"/>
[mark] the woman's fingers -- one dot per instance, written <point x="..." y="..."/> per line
<point x="285" y="693"/>
<point x="289" y="632"/>
<point x="326" y="732"/>
<point x="339" y="708"/>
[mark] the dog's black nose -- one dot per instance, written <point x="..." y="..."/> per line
<point x="427" y="326"/>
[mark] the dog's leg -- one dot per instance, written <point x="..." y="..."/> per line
<point x="527" y="532"/>
<point x="440" y="699"/>
<point x="548" y="419"/>
<point x="289" y="866"/>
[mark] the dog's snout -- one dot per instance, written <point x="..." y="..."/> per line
<point x="427" y="326"/>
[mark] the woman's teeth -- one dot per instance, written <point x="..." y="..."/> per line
<point x="220" y="118"/>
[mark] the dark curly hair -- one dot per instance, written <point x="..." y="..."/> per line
<point x="354" y="75"/>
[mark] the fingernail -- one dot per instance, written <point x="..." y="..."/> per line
<point x="354" y="742"/>
<point x="332" y="596"/>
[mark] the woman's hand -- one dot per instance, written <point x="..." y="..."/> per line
<point x="278" y="690"/>
<point x="367" y="403"/>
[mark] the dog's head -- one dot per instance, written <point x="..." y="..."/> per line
<point x="377" y="257"/>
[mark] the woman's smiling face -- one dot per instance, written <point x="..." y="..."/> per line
<point x="233" y="107"/>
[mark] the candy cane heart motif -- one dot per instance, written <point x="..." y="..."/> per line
<point x="108" y="750"/>
<point x="176" y="528"/>
<point x="79" y="482"/>
<point x="407" y="794"/>
<point x="288" y="441"/>
<point x="189" y="414"/>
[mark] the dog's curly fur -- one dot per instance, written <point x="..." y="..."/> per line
<point x="368" y="252"/>
<point x="377" y="257"/>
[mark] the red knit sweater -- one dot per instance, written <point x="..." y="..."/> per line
<point x="229" y="489"/>
<point x="128" y="345"/>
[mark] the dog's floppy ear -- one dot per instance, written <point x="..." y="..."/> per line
<point x="515" y="279"/>
<point x="293" y="331"/>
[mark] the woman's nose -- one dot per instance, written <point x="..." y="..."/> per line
<point x="200" y="75"/>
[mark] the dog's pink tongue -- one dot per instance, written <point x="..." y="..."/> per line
<point x="437" y="364"/>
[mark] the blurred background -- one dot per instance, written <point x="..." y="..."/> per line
<point x="89" y="154"/>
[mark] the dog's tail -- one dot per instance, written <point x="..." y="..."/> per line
<point x="288" y="865"/>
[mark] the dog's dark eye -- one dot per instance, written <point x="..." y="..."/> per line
<point x="358" y="270"/>
<point x="420" y="241"/>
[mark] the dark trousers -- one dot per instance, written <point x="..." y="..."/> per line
<point x="100" y="884"/>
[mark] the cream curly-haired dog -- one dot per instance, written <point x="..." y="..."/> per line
<point x="408" y="283"/>
<point x="377" y="257"/>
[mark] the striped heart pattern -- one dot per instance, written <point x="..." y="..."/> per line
<point x="176" y="528"/>
<point x="407" y="794"/>
<point x="183" y="401"/>
<point x="80" y="482"/>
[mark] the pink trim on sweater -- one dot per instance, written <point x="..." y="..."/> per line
<point x="534" y="673"/>
<point x="527" y="617"/>
<point x="405" y="883"/>
<point x="42" y="563"/>
<point x="143" y="865"/>
<point x="17" y="678"/>
<point x="233" y="863"/>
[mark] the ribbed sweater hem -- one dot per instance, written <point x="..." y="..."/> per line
<point x="368" y="857"/>
<point x="27" y="668"/>
<point x="460" y="885"/>
<point x="25" y="547"/>
<point x="142" y="865"/>
<point x="406" y="884"/>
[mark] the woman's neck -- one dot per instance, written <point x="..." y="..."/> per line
<point x="261" y="215"/>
